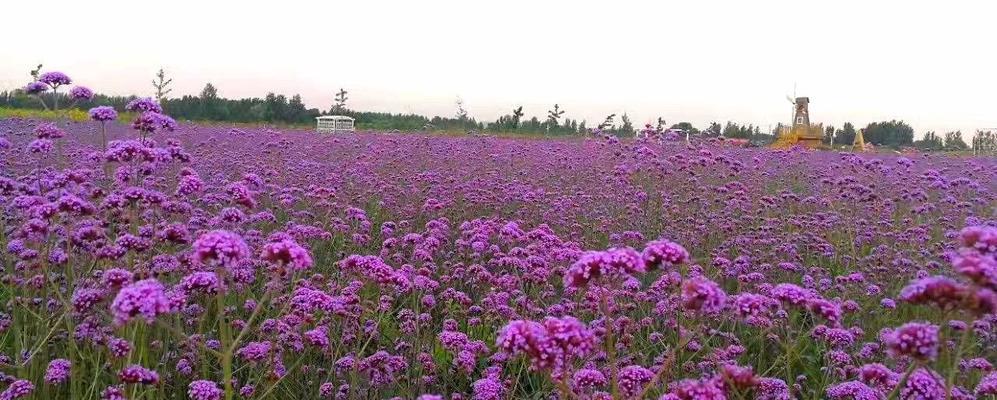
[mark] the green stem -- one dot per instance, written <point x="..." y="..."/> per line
<point x="950" y="380"/>
<point x="226" y="357"/>
<point x="610" y="345"/>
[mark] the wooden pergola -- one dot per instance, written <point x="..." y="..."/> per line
<point x="334" y="123"/>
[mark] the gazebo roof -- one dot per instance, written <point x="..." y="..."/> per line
<point x="334" y="117"/>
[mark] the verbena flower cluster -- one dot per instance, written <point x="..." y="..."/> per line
<point x="165" y="260"/>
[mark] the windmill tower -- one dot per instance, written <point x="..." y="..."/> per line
<point x="801" y="132"/>
<point x="801" y="113"/>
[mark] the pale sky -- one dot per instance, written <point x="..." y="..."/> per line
<point x="930" y="63"/>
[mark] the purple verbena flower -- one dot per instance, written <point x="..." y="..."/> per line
<point x="144" y="104"/>
<point x="35" y="88"/>
<point x="58" y="371"/>
<point x="918" y="340"/>
<point x="287" y="253"/>
<point x="80" y="93"/>
<point x="146" y="298"/>
<point x="103" y="113"/>
<point x="55" y="79"/>
<point x="220" y="248"/>
<point x="138" y="374"/>
<point x="204" y="390"/>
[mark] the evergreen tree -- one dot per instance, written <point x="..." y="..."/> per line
<point x="846" y="135"/>
<point x="715" y="129"/>
<point x="954" y="142"/>
<point x="517" y="114"/>
<point x="660" y="126"/>
<point x="984" y="143"/>
<point x="930" y="142"/>
<point x="687" y="126"/>
<point x="608" y="123"/>
<point x="893" y="133"/>
<point x="162" y="85"/>
<point x="461" y="112"/>
<point x="209" y="103"/>
<point x="553" y="117"/>
<point x="340" y="100"/>
<point x="627" y="128"/>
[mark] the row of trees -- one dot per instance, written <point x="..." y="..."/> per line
<point x="897" y="134"/>
<point x="894" y="134"/>
<point x="985" y="142"/>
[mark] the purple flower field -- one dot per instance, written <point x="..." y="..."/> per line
<point x="156" y="260"/>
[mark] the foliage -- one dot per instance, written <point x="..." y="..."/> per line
<point x="786" y="139"/>
<point x="340" y="101"/>
<point x="736" y="131"/>
<point x="72" y="114"/>
<point x="985" y="143"/>
<point x="895" y="134"/>
<point x="846" y="135"/>
<point x="954" y="142"/>
<point x="930" y="142"/>
<point x="828" y="135"/>
<point x="161" y="84"/>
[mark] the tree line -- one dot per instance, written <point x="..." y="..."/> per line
<point x="278" y="108"/>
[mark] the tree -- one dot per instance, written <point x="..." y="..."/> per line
<point x="296" y="108"/>
<point x="35" y="72"/>
<point x="608" y="123"/>
<point x="984" y="143"/>
<point x="715" y="129"/>
<point x="930" y="142"/>
<point x="276" y="107"/>
<point x="734" y="131"/>
<point x="210" y="106"/>
<point x="660" y="127"/>
<point x="161" y="84"/>
<point x="687" y="126"/>
<point x="553" y="116"/>
<point x="461" y="112"/>
<point x="846" y="135"/>
<point x="954" y="142"/>
<point x="517" y="114"/>
<point x="340" y="99"/>
<point x="627" y="128"/>
<point x="828" y="135"/>
<point x="209" y="92"/>
<point x="893" y="133"/>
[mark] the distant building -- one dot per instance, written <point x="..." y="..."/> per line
<point x="801" y="132"/>
<point x="805" y="133"/>
<point x="334" y="123"/>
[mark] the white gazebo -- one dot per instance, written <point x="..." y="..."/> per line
<point x="334" y="123"/>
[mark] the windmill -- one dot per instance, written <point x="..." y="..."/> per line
<point x="800" y="132"/>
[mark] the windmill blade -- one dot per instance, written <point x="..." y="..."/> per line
<point x="790" y="99"/>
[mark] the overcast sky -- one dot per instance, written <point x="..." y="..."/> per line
<point x="930" y="63"/>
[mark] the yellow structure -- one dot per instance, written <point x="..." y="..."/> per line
<point x="799" y="136"/>
<point x="859" y="144"/>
